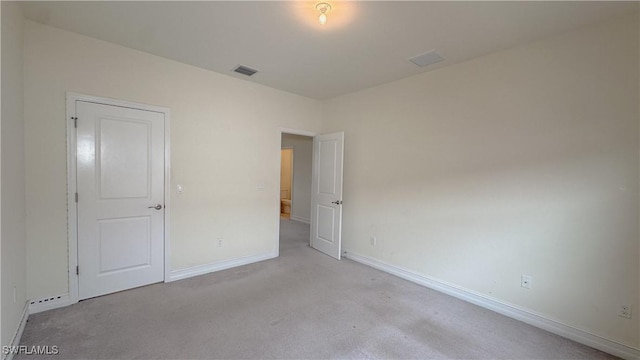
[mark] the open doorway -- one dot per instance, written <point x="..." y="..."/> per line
<point x="295" y="177"/>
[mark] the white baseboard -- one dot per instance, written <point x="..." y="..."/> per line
<point x="301" y="219"/>
<point x="15" y="341"/>
<point x="527" y="316"/>
<point x="49" y="303"/>
<point x="218" y="266"/>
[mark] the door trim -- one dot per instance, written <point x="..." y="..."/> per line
<point x="72" y="211"/>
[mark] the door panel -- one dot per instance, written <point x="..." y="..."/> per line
<point x="326" y="216"/>
<point x="133" y="234"/>
<point x="117" y="162"/>
<point x="326" y="199"/>
<point x="120" y="177"/>
<point x="327" y="163"/>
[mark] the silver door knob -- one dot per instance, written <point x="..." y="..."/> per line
<point x="156" y="206"/>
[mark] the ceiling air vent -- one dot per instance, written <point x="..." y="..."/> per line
<point x="428" y="58"/>
<point x="245" y="70"/>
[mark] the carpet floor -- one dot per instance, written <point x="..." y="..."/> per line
<point x="302" y="305"/>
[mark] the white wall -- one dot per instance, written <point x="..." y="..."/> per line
<point x="210" y="114"/>
<point x="13" y="244"/>
<point x="302" y="158"/>
<point x="525" y="161"/>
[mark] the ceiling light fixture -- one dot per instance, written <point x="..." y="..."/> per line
<point x="324" y="8"/>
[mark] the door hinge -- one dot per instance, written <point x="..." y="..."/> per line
<point x="76" y="197"/>
<point x="75" y="121"/>
<point x="77" y="270"/>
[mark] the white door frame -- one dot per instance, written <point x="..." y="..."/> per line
<point x="292" y="132"/>
<point x="72" y="186"/>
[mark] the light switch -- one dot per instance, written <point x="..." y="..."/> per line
<point x="180" y="189"/>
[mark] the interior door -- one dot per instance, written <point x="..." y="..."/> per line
<point x="326" y="194"/>
<point x="120" y="185"/>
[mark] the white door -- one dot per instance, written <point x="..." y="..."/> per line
<point x="326" y="194"/>
<point x="120" y="185"/>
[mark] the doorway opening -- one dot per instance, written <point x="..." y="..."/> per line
<point x="295" y="177"/>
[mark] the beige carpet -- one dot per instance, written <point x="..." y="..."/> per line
<point x="303" y="305"/>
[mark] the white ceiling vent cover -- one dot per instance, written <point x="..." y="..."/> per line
<point x="245" y="70"/>
<point x="428" y="58"/>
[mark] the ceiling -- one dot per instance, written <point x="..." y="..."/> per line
<point x="363" y="44"/>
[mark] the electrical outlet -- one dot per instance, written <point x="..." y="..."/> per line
<point x="220" y="242"/>
<point x="525" y="281"/>
<point x="373" y="241"/>
<point x="625" y="311"/>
